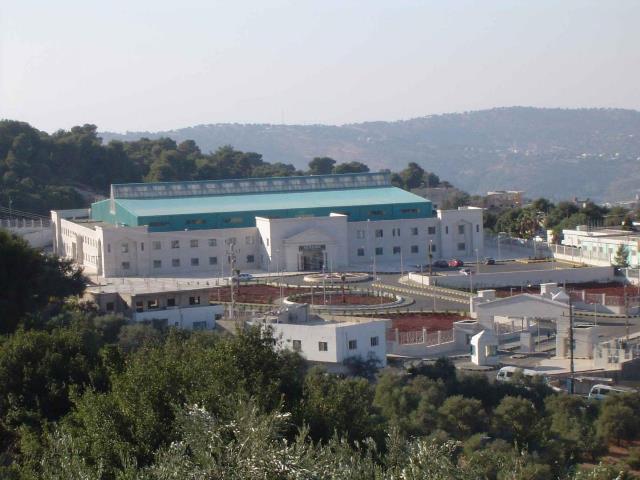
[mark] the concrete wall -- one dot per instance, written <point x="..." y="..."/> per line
<point x="524" y="278"/>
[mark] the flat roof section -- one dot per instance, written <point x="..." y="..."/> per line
<point x="269" y="201"/>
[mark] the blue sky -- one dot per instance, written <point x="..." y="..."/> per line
<point x="152" y="65"/>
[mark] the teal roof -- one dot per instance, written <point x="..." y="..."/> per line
<point x="235" y="210"/>
<point x="253" y="202"/>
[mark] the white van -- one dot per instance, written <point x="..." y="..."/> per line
<point x="505" y="374"/>
<point x="600" y="392"/>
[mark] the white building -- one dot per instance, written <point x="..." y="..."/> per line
<point x="599" y="246"/>
<point x="328" y="342"/>
<point x="270" y="224"/>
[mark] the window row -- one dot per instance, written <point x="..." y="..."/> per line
<point x="193" y="243"/>
<point x="324" y="346"/>
<point x="360" y="252"/>
<point x="195" y="262"/>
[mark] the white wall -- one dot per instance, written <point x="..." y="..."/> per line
<point x="522" y="278"/>
<point x="470" y="218"/>
<point x="184" y="317"/>
<point x="337" y="336"/>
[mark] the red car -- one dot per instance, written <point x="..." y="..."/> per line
<point x="454" y="262"/>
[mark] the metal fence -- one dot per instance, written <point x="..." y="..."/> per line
<point x="420" y="337"/>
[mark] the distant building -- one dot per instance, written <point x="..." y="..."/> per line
<point x="503" y="199"/>
<point x="327" y="342"/>
<point x="599" y="246"/>
<point x="293" y="224"/>
<point x="190" y="309"/>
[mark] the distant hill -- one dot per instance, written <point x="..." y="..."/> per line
<point x="556" y="153"/>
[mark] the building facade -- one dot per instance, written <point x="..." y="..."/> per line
<point x="312" y="223"/>
<point x="599" y="246"/>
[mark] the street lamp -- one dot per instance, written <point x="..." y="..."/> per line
<point x="430" y="257"/>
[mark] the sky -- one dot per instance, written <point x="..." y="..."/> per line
<point x="149" y="65"/>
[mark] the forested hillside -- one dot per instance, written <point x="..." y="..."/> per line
<point x="68" y="169"/>
<point x="554" y="153"/>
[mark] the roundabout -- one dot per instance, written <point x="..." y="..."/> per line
<point x="337" y="277"/>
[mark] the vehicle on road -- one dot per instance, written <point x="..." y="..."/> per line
<point x="505" y="374"/>
<point x="441" y="264"/>
<point x="243" y="277"/>
<point x="455" y="262"/>
<point x="600" y="391"/>
<point x="465" y="271"/>
<point x="489" y="261"/>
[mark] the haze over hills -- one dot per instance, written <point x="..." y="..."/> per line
<point x="556" y="153"/>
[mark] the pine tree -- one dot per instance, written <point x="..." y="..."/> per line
<point x="621" y="258"/>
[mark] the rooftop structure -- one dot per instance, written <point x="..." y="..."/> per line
<point x="235" y="203"/>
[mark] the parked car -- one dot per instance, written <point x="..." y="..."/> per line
<point x="441" y="264"/>
<point x="600" y="392"/>
<point x="465" y="271"/>
<point x="454" y="262"/>
<point x="243" y="277"/>
<point x="489" y="261"/>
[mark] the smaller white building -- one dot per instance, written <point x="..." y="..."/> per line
<point x="328" y="342"/>
<point x="599" y="246"/>
<point x="188" y="318"/>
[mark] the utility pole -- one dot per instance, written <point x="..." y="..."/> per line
<point x="571" y="364"/>
<point x="430" y="257"/>
<point x="232" y="265"/>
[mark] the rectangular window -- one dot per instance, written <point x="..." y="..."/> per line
<point x="376" y="213"/>
<point x="175" y="262"/>
<point x="142" y="246"/>
<point x="414" y="230"/>
<point x="378" y="250"/>
<point x="460" y="229"/>
<point x="446" y="230"/>
<point x="157" y="245"/>
<point x="361" y="252"/>
<point x="249" y="240"/>
<point x="195" y="262"/>
<point x="478" y="228"/>
<point x="110" y="307"/>
<point x="194" y="300"/>
<point x="414" y="249"/>
<point x="409" y="210"/>
<point x="374" y="341"/>
<point x="395" y="232"/>
<point x="433" y="247"/>
<point x="431" y="230"/>
<point x="353" y="344"/>
<point x="196" y="221"/>
<point x="379" y="233"/>
<point x="397" y="250"/>
<point x="171" y="302"/>
<point x="199" y="325"/>
<point x="126" y="265"/>
<point x="152" y="303"/>
<point x="360" y="234"/>
<point x="213" y="242"/>
<point x="297" y="345"/>
<point x="139" y="306"/>
<point x="232" y="220"/>
<point x="250" y="258"/>
<point x="108" y="248"/>
<point x="158" y="224"/>
<point x="175" y="243"/>
<point x="193" y="243"/>
<point x="230" y="241"/>
<point x="461" y="246"/>
<point x="124" y="248"/>
<point x="323" y="347"/>
<point x="157" y="264"/>
<point x="213" y="260"/>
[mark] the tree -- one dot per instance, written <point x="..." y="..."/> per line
<point x="462" y="417"/>
<point x="621" y="258"/>
<point x="618" y="420"/>
<point x="29" y="280"/>
<point x="412" y="176"/>
<point x="515" y="420"/>
<point x="351" y="167"/>
<point x="321" y="166"/>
